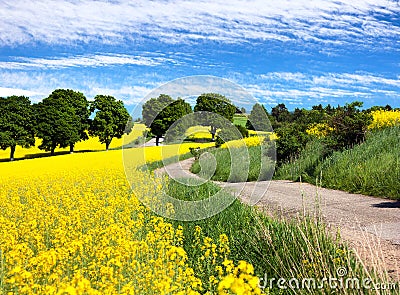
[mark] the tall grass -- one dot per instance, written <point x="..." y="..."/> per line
<point x="297" y="248"/>
<point x="304" y="166"/>
<point x="372" y="168"/>
<point x="237" y="164"/>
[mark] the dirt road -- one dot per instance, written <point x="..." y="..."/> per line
<point x="371" y="225"/>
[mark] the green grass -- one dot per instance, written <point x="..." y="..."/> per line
<point x="240" y="120"/>
<point x="235" y="164"/>
<point x="371" y="168"/>
<point x="303" y="168"/>
<point x="299" y="248"/>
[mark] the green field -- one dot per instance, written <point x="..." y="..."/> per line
<point x="240" y="120"/>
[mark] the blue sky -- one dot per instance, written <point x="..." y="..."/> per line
<point x="299" y="53"/>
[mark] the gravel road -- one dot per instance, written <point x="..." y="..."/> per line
<point x="371" y="225"/>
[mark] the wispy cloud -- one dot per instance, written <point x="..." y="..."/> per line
<point x="301" y="88"/>
<point x="324" y="21"/>
<point x="354" y="80"/>
<point x="91" y="60"/>
<point x="4" y="92"/>
<point x="38" y="85"/>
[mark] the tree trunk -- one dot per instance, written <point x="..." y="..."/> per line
<point x="213" y="131"/>
<point x="157" y="140"/>
<point x="53" y="147"/>
<point x="107" y="145"/>
<point x="12" y="153"/>
<point x="71" y="148"/>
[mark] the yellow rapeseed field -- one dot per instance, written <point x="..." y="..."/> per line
<point x="383" y="118"/>
<point x="247" y="141"/>
<point x="92" y="144"/>
<point x="71" y="224"/>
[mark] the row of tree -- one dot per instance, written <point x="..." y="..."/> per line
<point x="345" y="125"/>
<point x="160" y="113"/>
<point x="61" y="120"/>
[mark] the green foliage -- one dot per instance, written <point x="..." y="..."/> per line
<point x="303" y="167"/>
<point x="280" y="114"/>
<point x="217" y="104"/>
<point x="129" y="125"/>
<point x="291" y="140"/>
<point x="110" y="120"/>
<point x="160" y="113"/>
<point x="230" y="133"/>
<point x="371" y="168"/>
<point x="196" y="152"/>
<point x="349" y="126"/>
<point x="80" y="106"/>
<point x="16" y="123"/>
<point x="243" y="130"/>
<point x="258" y="119"/>
<point x="57" y="123"/>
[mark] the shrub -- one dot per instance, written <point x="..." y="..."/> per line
<point x="290" y="141"/>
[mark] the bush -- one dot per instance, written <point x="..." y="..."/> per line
<point x="349" y="126"/>
<point x="231" y="133"/>
<point x="291" y="140"/>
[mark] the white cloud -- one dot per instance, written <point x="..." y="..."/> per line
<point x="354" y="80"/>
<point x="130" y="95"/>
<point x="326" y="21"/>
<point x="4" y="92"/>
<point x="91" y="60"/>
<point x="296" y="88"/>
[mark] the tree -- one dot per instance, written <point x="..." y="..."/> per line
<point x="349" y="126"/>
<point x="110" y="120"/>
<point x="56" y="123"/>
<point x="281" y="114"/>
<point x="291" y="140"/>
<point x="258" y="119"/>
<point x="80" y="106"/>
<point x="161" y="112"/>
<point x="171" y="114"/>
<point x="16" y="123"/>
<point x="217" y="104"/>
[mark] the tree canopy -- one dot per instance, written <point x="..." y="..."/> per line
<point x="161" y="112"/>
<point x="56" y="122"/>
<point x="258" y="119"/>
<point x="16" y="123"/>
<point x="70" y="111"/>
<point x="111" y="119"/>
<point x="217" y="104"/>
<point x="78" y="102"/>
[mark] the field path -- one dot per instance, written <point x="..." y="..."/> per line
<point x="371" y="225"/>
